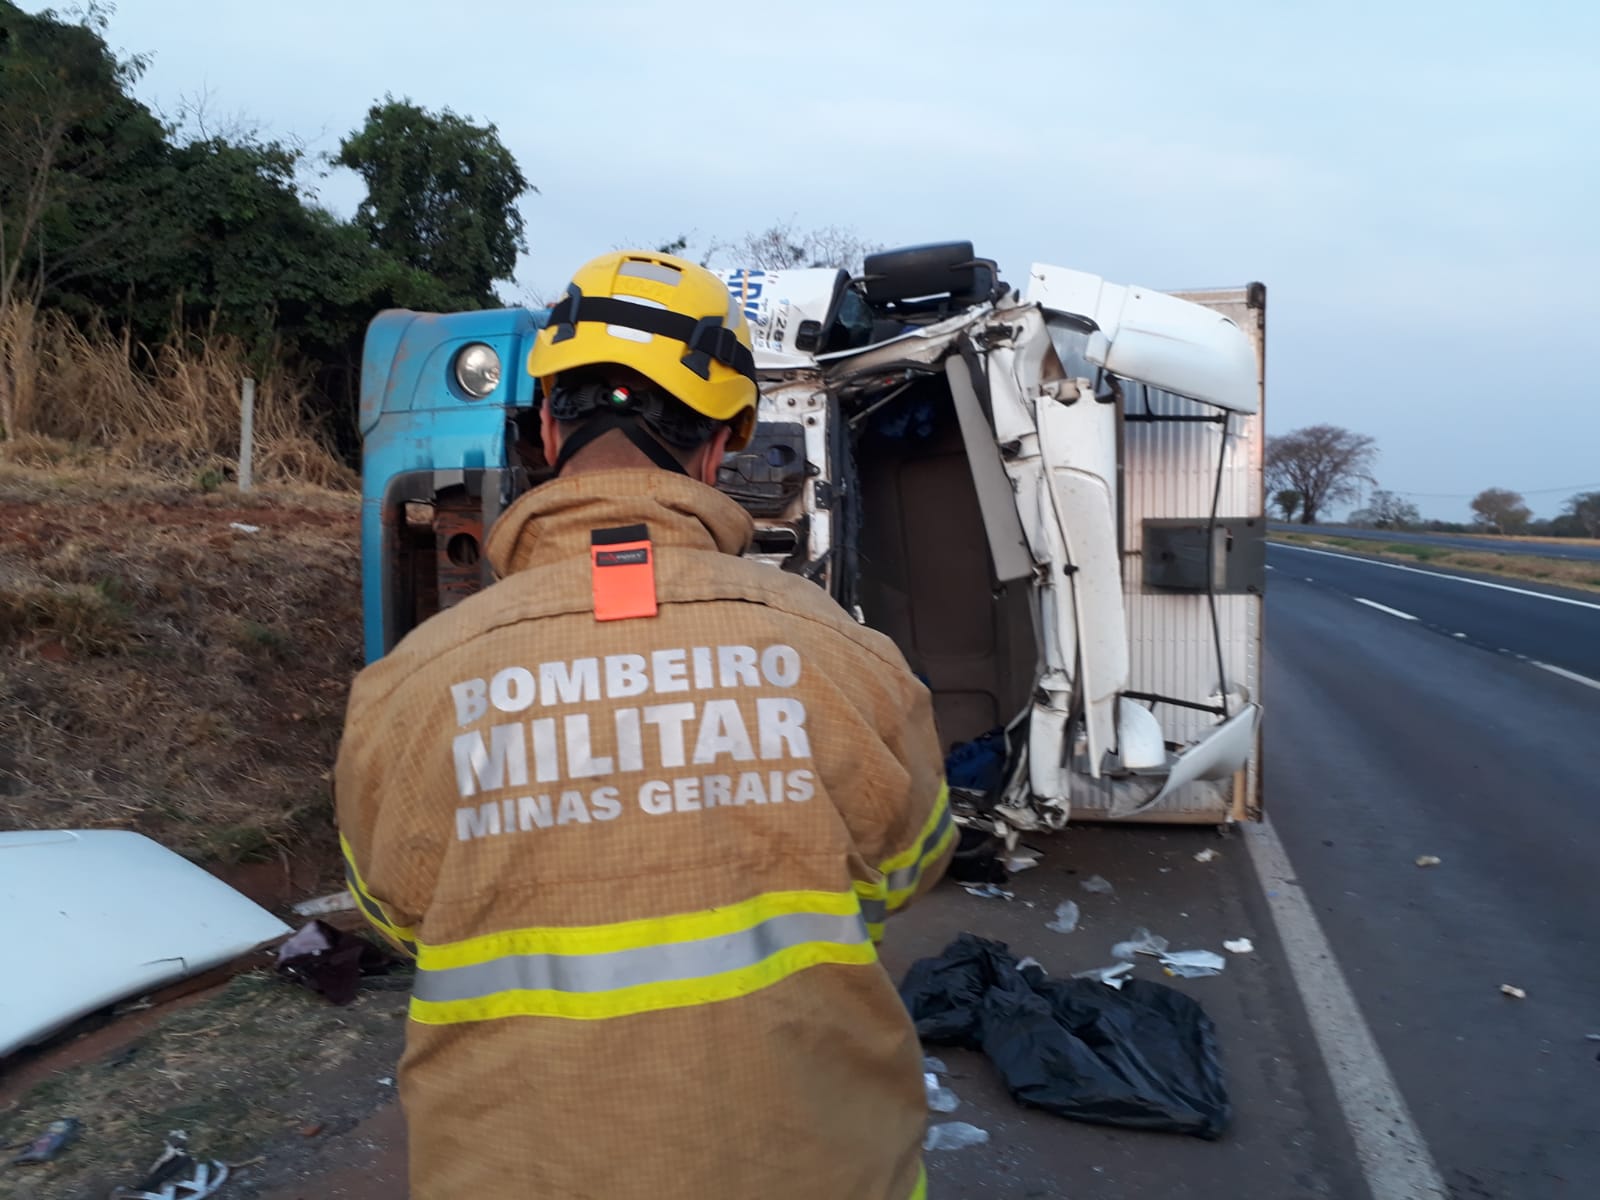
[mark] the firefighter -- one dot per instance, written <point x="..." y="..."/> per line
<point x="640" y="809"/>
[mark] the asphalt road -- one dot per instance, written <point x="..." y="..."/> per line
<point x="1455" y="541"/>
<point x="1391" y="738"/>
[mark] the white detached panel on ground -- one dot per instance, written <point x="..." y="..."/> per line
<point x="98" y="915"/>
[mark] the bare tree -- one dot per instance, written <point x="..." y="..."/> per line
<point x="1387" y="510"/>
<point x="785" y="246"/>
<point x="1324" y="463"/>
<point x="1500" y="510"/>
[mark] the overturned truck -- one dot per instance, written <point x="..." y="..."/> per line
<point x="1050" y="498"/>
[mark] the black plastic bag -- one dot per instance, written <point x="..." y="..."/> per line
<point x="1144" y="1057"/>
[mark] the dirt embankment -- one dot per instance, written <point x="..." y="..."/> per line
<point x="164" y="670"/>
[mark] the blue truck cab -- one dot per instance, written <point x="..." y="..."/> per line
<point x="449" y="424"/>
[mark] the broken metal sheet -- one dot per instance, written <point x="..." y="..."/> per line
<point x="1223" y="750"/>
<point x="97" y="915"/>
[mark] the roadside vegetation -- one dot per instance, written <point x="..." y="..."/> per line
<point x="1564" y="572"/>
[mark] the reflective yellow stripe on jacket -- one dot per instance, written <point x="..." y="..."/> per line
<point x="401" y="935"/>
<point x="599" y="971"/>
<point x="902" y="873"/>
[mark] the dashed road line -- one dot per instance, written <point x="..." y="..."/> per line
<point x="1564" y="673"/>
<point x="1393" y="612"/>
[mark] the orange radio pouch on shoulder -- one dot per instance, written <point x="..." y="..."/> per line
<point x="622" y="563"/>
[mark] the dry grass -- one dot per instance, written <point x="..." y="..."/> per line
<point x="245" y="1073"/>
<point x="173" y="409"/>
<point x="1565" y="572"/>
<point x="163" y="672"/>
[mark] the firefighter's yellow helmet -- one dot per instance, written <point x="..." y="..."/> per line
<point x="674" y="322"/>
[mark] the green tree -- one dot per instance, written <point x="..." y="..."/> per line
<point x="1584" y="508"/>
<point x="441" y="196"/>
<point x="1500" y="510"/>
<point x="1288" y="501"/>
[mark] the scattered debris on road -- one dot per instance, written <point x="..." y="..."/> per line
<point x="1020" y="860"/>
<point x="954" y="1135"/>
<point x="333" y="902"/>
<point x="1066" y="918"/>
<point x="1192" y="964"/>
<point x="1097" y="885"/>
<point x="1142" y="942"/>
<point x="1205" y="856"/>
<point x="57" y="1136"/>
<point x="329" y="961"/>
<point x="1112" y="976"/>
<point x="1239" y="946"/>
<point x="243" y="528"/>
<point x="1515" y="993"/>
<point x="1143" y="1056"/>
<point x="940" y="1098"/>
<point x="988" y="891"/>
<point x="177" y="1175"/>
<point x="1427" y="860"/>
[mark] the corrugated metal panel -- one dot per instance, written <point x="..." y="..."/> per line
<point x="1170" y="470"/>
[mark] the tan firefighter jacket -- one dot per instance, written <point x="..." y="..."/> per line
<point x="643" y="864"/>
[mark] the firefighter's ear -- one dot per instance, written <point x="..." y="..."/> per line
<point x="549" y="436"/>
<point x="711" y="457"/>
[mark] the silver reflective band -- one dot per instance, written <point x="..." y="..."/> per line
<point x="659" y="272"/>
<point x="875" y="912"/>
<point x="905" y="877"/>
<point x="645" y="964"/>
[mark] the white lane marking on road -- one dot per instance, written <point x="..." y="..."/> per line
<point x="1484" y="583"/>
<point x="1393" y="612"/>
<point x="1394" y="1158"/>
<point x="1564" y="673"/>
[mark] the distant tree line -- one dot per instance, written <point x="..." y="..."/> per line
<point x="1313" y="468"/>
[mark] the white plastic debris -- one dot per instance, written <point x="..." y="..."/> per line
<point x="1427" y="860"/>
<point x="929" y="1063"/>
<point x="1020" y="860"/>
<point x="1239" y="946"/>
<point x="387" y="1081"/>
<point x="1113" y="976"/>
<point x="1591" y="1037"/>
<point x="1192" y="964"/>
<point x="331" y="903"/>
<point x="1206" y="856"/>
<point x="1514" y="992"/>
<point x="1142" y="942"/>
<point x="988" y="891"/>
<point x="954" y="1135"/>
<point x="1030" y="961"/>
<point x="1098" y="885"/>
<point x="1066" y="918"/>
<point x="940" y="1098"/>
<point x="243" y="528"/>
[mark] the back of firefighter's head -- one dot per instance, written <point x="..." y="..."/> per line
<point x="646" y="359"/>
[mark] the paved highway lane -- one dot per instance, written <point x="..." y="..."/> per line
<point x="1390" y="738"/>
<point x="1572" y="550"/>
<point x="1557" y="627"/>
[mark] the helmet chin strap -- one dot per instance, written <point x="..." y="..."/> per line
<point x="602" y="423"/>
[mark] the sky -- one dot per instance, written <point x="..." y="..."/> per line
<point x="1417" y="184"/>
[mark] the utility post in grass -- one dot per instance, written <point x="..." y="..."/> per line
<point x="247" y="429"/>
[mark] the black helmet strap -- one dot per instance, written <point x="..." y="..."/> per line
<point x="602" y="423"/>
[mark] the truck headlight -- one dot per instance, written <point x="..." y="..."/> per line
<point x="477" y="370"/>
